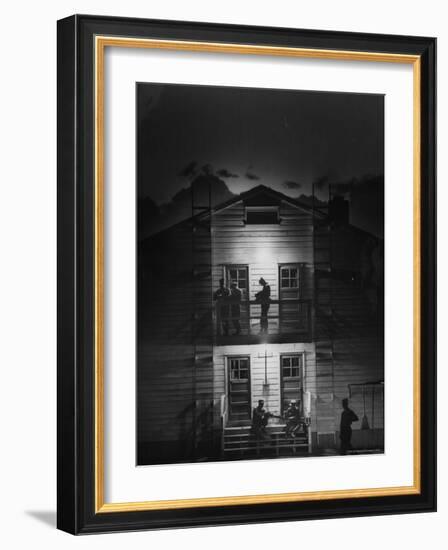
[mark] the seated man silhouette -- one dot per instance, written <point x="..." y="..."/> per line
<point x="260" y="419"/>
<point x="293" y="419"/>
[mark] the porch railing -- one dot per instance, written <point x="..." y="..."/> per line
<point x="247" y="318"/>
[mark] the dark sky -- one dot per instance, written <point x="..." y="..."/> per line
<point x="280" y="138"/>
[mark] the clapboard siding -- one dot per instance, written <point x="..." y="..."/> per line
<point x="175" y="336"/>
<point x="263" y="248"/>
<point x="271" y="394"/>
<point x="349" y="330"/>
<point x="163" y="414"/>
<point x="179" y="271"/>
<point x="182" y="372"/>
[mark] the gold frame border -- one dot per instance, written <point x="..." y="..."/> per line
<point x="101" y="42"/>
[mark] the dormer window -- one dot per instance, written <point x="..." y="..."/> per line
<point x="262" y="215"/>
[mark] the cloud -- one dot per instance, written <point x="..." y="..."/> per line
<point x="189" y="170"/>
<point x="224" y="173"/>
<point x="251" y="176"/>
<point x="292" y="184"/>
<point x="179" y="208"/>
<point x="207" y="169"/>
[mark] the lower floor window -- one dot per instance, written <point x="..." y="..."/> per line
<point x="291" y="367"/>
<point x="239" y="368"/>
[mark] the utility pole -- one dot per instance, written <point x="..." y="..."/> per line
<point x="265" y="355"/>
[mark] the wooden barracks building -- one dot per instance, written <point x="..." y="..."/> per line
<point x="200" y="375"/>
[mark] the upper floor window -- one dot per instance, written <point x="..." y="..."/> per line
<point x="262" y="215"/>
<point x="238" y="274"/>
<point x="289" y="277"/>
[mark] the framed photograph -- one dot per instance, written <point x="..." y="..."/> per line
<point x="246" y="270"/>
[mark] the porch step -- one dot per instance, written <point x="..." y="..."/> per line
<point x="239" y="439"/>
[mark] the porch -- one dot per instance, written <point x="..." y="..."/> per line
<point x="243" y="322"/>
<point x="239" y="442"/>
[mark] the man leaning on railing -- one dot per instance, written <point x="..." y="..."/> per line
<point x="264" y="298"/>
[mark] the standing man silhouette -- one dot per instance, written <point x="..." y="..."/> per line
<point x="345" y="433"/>
<point x="235" y="307"/>
<point x="263" y="297"/>
<point x="221" y="296"/>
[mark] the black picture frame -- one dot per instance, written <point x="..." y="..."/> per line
<point x="77" y="512"/>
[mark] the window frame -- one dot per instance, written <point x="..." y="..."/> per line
<point x="299" y="287"/>
<point x="261" y="209"/>
<point x="300" y="378"/>
<point x="228" y="280"/>
<point x="248" y="381"/>
<point x="231" y="358"/>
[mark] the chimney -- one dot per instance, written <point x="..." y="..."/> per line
<point x="339" y="211"/>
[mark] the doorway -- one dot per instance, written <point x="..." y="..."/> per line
<point x="239" y="390"/>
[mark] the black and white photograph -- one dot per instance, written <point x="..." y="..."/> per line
<point x="220" y="257"/>
<point x="260" y="273"/>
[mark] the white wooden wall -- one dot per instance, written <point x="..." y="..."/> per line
<point x="270" y="395"/>
<point x="261" y="247"/>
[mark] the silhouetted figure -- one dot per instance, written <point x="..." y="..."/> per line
<point x="263" y="297"/>
<point x="260" y="419"/>
<point x="345" y="433"/>
<point x="293" y="419"/>
<point x="221" y="296"/>
<point x="235" y="306"/>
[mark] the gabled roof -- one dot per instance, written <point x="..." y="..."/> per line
<point x="262" y="196"/>
<point x="257" y="196"/>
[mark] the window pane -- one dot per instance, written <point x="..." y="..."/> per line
<point x="286" y="361"/>
<point x="295" y="361"/>
<point x="293" y="273"/>
<point x="261" y="217"/>
<point x="239" y="368"/>
<point x="285" y="283"/>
